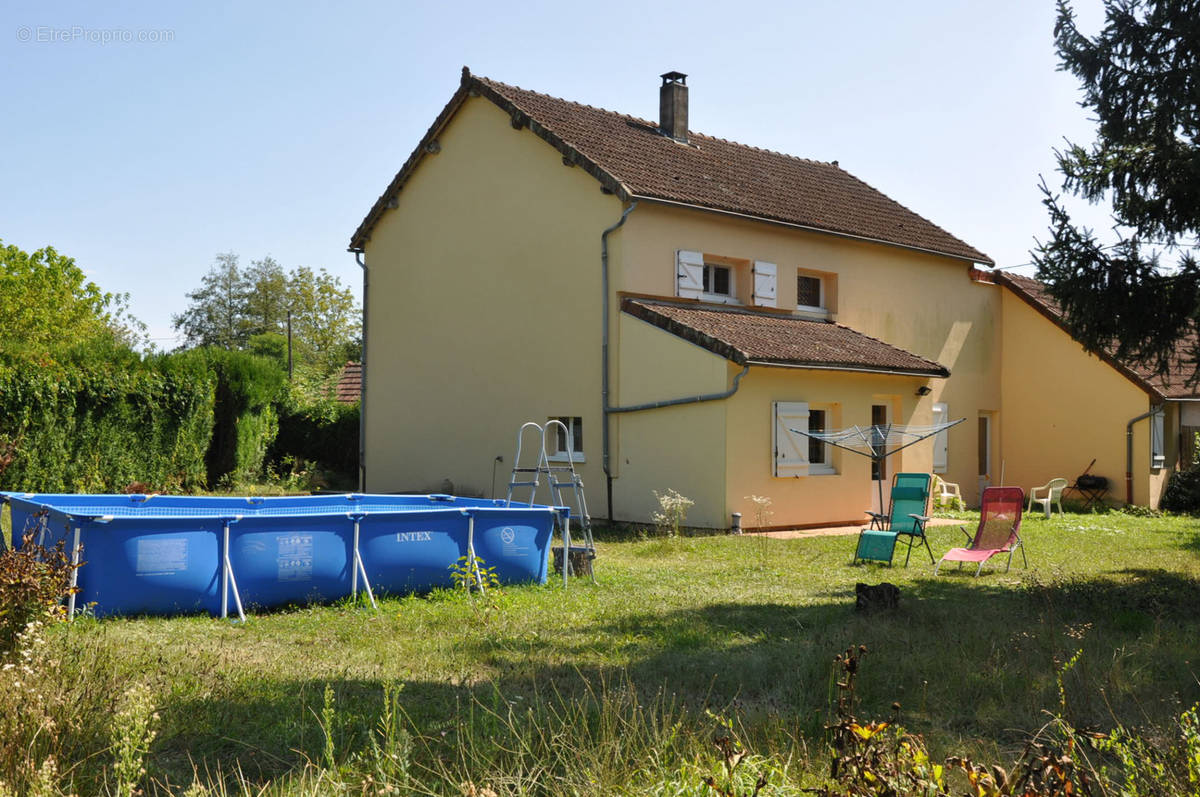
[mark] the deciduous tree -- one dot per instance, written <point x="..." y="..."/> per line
<point x="47" y="305"/>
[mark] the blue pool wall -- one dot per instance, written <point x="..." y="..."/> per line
<point x="163" y="554"/>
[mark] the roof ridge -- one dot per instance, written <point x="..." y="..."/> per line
<point x="497" y="83"/>
<point x="652" y="124"/>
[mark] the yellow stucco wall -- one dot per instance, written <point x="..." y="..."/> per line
<point x="847" y="398"/>
<point x="680" y="448"/>
<point x="923" y="303"/>
<point x="484" y="309"/>
<point x="1064" y="406"/>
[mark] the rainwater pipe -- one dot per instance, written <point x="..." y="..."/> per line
<point x="1129" y="450"/>
<point x="604" y="380"/>
<point x="362" y="397"/>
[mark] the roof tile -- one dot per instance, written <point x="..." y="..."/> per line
<point x="744" y="335"/>
<point x="631" y="156"/>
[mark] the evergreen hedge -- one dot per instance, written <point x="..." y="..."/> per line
<point x="102" y="425"/>
<point x="199" y="419"/>
<point x="245" y="421"/>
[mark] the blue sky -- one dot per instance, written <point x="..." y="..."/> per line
<point x="144" y="138"/>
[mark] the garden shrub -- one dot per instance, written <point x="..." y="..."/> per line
<point x="322" y="431"/>
<point x="1183" y="491"/>
<point x="33" y="582"/>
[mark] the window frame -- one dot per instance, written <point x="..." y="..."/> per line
<point x="941" y="440"/>
<point x="1158" y="440"/>
<point x="709" y="279"/>
<point x="823" y="466"/>
<point x="574" y="443"/>
<point x="810" y="308"/>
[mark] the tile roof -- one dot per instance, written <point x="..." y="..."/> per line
<point x="743" y="335"/>
<point x="1171" y="385"/>
<point x="632" y="158"/>
<point x="349" y="385"/>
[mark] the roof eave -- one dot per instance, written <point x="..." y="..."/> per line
<point x="943" y="373"/>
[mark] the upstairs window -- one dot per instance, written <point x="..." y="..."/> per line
<point x="718" y="280"/>
<point x="809" y="293"/>
<point x="709" y="277"/>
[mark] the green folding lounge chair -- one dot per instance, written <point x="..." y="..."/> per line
<point x="906" y="519"/>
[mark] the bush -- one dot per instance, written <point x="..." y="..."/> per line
<point x="1183" y="491"/>
<point x="104" y="422"/>
<point x="33" y="582"/>
<point x="324" y="432"/>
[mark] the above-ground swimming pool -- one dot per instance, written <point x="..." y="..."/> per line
<point x="164" y="554"/>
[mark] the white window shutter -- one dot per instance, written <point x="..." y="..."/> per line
<point x="941" y="440"/>
<point x="1158" y="454"/>
<point x="791" y="449"/>
<point x="764" y="283"/>
<point x="689" y="274"/>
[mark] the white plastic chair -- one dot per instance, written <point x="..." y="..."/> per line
<point x="1051" y="493"/>
<point x="947" y="493"/>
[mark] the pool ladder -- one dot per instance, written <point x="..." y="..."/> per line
<point x="558" y="478"/>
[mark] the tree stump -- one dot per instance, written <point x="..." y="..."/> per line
<point x="580" y="559"/>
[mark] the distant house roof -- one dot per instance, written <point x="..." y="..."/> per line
<point x="748" y="336"/>
<point x="1172" y="385"/>
<point x="349" y="385"/>
<point x="633" y="159"/>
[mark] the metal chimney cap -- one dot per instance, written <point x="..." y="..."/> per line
<point x="674" y="77"/>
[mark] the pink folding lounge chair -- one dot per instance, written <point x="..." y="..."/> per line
<point x="999" y="524"/>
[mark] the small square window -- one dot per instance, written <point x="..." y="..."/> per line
<point x="717" y="280"/>
<point x="808" y="292"/>
<point x="563" y="441"/>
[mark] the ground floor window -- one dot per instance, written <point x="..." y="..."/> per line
<point x="797" y="454"/>
<point x="819" y="459"/>
<point x="565" y="443"/>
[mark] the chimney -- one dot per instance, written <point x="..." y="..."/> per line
<point x="673" y="106"/>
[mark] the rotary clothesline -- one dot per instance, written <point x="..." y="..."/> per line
<point x="878" y="441"/>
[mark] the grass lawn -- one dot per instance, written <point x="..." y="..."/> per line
<point x="601" y="688"/>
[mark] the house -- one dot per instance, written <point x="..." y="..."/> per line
<point x="348" y="388"/>
<point x="682" y="301"/>
<point x="1136" y="424"/>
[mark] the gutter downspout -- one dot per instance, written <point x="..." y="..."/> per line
<point x="609" y="409"/>
<point x="362" y="399"/>
<point x="654" y="405"/>
<point x="1129" y="450"/>
<point x="605" y="445"/>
